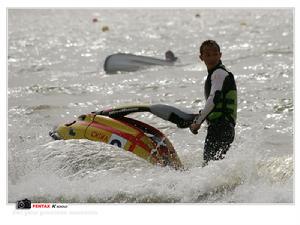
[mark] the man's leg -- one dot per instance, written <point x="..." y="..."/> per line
<point x="217" y="142"/>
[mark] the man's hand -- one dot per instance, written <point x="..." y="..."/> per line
<point x="194" y="128"/>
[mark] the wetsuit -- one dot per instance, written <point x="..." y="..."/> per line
<point x="220" y="112"/>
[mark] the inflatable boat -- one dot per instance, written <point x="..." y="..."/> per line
<point x="129" y="62"/>
<point x="113" y="127"/>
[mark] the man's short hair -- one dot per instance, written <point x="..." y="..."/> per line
<point x="210" y="43"/>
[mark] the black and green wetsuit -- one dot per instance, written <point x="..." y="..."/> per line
<point x="220" y="112"/>
<point x="225" y="100"/>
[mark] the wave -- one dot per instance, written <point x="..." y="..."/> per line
<point x="87" y="172"/>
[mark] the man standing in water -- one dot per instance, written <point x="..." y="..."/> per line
<point x="220" y="109"/>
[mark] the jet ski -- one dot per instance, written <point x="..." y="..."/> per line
<point x="112" y="126"/>
<point x="130" y="62"/>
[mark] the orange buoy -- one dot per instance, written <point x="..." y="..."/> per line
<point x="105" y="28"/>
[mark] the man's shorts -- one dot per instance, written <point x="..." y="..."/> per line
<point x="219" y="137"/>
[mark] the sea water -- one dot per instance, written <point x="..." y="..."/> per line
<point x="55" y="73"/>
